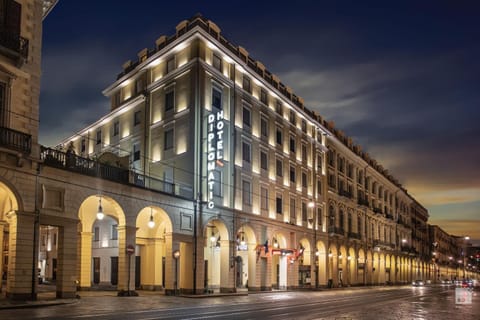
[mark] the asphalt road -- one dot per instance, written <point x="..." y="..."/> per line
<point x="431" y="302"/>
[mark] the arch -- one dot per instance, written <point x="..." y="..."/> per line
<point x="216" y="255"/>
<point x="280" y="261"/>
<point x="362" y="267"/>
<point x="352" y="267"/>
<point x="304" y="258"/>
<point x="100" y="239"/>
<point x="153" y="240"/>
<point x="321" y="263"/>
<point x="245" y="262"/>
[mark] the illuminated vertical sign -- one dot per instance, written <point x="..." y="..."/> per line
<point x="214" y="151"/>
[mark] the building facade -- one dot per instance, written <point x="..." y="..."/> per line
<point x="207" y="175"/>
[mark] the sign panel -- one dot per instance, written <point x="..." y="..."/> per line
<point x="215" y="125"/>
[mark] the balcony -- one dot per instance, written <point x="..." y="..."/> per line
<point x="354" y="235"/>
<point x="378" y="210"/>
<point x="15" y="140"/>
<point x="363" y="202"/>
<point x="336" y="230"/>
<point x="13" y="46"/>
<point x="345" y="194"/>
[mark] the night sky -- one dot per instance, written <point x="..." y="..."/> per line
<point x="403" y="81"/>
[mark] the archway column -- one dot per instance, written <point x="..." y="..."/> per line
<point x="85" y="260"/>
<point x="21" y="284"/>
<point x="67" y="261"/>
<point x="126" y="263"/>
<point x="2" y="229"/>
<point x="227" y="275"/>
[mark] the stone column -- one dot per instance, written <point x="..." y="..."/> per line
<point x="226" y="273"/>
<point x="126" y="263"/>
<point x="2" y="228"/>
<point x="85" y="276"/>
<point x="170" y="246"/>
<point x="67" y="261"/>
<point x="21" y="283"/>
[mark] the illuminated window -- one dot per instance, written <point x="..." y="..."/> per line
<point x="216" y="98"/>
<point x="263" y="160"/>
<point x="116" y="128"/>
<point x="279" y="203"/>
<point x="137" y="118"/>
<point x="246" y="156"/>
<point x="169" y="100"/>
<point x="217" y="62"/>
<point x="168" y="139"/>
<point x="246" y="192"/>
<point x="264" y="198"/>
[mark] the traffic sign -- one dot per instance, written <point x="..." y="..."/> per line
<point x="130" y="249"/>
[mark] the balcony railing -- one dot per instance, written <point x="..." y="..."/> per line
<point x="363" y="202"/>
<point x="345" y="193"/>
<point x="17" y="45"/>
<point x="354" y="235"/>
<point x="72" y="162"/>
<point x="336" y="230"/>
<point x="77" y="164"/>
<point x="15" y="140"/>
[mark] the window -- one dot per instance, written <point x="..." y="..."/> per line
<point x="99" y="136"/>
<point x="263" y="127"/>
<point x="331" y="158"/>
<point x="247" y="117"/>
<point x="246" y="151"/>
<point x="292" y="174"/>
<point x="136" y="152"/>
<point x="263" y="160"/>
<point x="304" y="179"/>
<point x="350" y="170"/>
<point x="116" y="128"/>
<point x="96" y="234"/>
<point x="331" y="180"/>
<point x="114" y="231"/>
<point x="278" y="203"/>
<point x="304" y="153"/>
<point x="246" y="84"/>
<point x="263" y="96"/>
<point x="292" y="117"/>
<point x="168" y="140"/>
<point x="217" y="62"/>
<point x="246" y="192"/>
<point x="264" y="196"/>
<point x="169" y="100"/>
<point x="319" y="187"/>
<point x="341" y="219"/>
<point x="279" y="167"/>
<point x="319" y="162"/>
<point x="83" y="145"/>
<point x="304" y="126"/>
<point x="293" y="215"/>
<point x="319" y="216"/>
<point x="170" y="64"/>
<point x="216" y="98"/>
<point x="349" y="223"/>
<point x="137" y="118"/>
<point x="292" y="144"/>
<point x="359" y="225"/>
<point x="278" y="107"/>
<point x="304" y="211"/>
<point x="279" y="136"/>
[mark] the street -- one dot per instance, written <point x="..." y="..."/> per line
<point x="430" y="302"/>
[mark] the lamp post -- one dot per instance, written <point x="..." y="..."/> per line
<point x="465" y="239"/>
<point x="176" y="256"/>
<point x="311" y="205"/>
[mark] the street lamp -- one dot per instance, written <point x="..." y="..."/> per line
<point x="100" y="214"/>
<point x="311" y="205"/>
<point x="176" y="256"/>
<point x="151" y="223"/>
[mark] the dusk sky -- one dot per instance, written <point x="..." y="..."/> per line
<point x="403" y="81"/>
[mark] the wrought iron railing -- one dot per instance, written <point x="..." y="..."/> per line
<point x="14" y="42"/>
<point x="15" y="140"/>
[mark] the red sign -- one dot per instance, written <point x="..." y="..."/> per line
<point x="130" y="249"/>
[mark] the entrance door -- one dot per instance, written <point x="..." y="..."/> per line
<point x="239" y="276"/>
<point x="137" y="272"/>
<point x="54" y="269"/>
<point x="96" y="270"/>
<point x="263" y="274"/>
<point x="163" y="271"/>
<point x="114" y="270"/>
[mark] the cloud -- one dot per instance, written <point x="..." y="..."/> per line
<point x="469" y="228"/>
